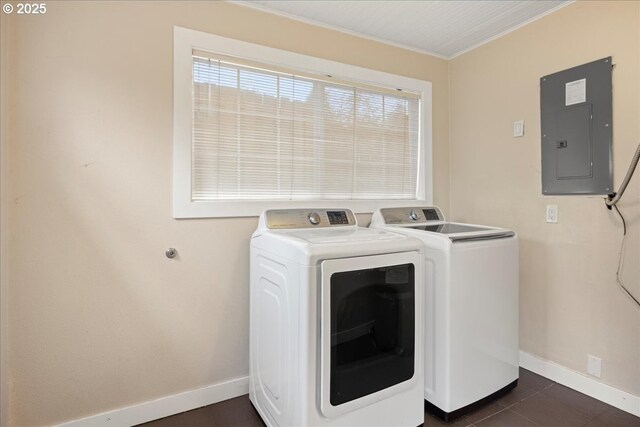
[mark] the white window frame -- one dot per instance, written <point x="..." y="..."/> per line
<point x="186" y="40"/>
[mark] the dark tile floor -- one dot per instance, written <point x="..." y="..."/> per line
<point x="536" y="401"/>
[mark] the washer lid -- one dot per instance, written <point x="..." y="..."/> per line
<point x="431" y="220"/>
<point x="451" y="228"/>
<point x="464" y="232"/>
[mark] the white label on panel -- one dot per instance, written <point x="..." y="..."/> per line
<point x="575" y="92"/>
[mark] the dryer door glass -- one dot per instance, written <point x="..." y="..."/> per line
<point x="372" y="330"/>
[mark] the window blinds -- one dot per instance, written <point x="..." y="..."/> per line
<point x="260" y="134"/>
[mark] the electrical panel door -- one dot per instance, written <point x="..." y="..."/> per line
<point x="575" y="108"/>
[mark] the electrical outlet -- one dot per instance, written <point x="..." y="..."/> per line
<point x="552" y="214"/>
<point x="594" y="366"/>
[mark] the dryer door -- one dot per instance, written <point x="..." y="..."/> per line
<point x="371" y="329"/>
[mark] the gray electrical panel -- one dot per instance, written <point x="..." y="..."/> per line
<point x="575" y="116"/>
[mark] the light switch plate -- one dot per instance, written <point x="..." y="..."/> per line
<point x="518" y="128"/>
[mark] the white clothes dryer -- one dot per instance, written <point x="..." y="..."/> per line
<point x="471" y="307"/>
<point x="336" y="322"/>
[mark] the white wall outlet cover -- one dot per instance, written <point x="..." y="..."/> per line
<point x="594" y="366"/>
<point x="552" y="214"/>
<point x="518" y="128"/>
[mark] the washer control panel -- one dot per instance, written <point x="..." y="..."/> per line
<point x="314" y="218"/>
<point x="308" y="218"/>
<point x="411" y="215"/>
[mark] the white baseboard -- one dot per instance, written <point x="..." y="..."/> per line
<point x="165" y="406"/>
<point x="582" y="383"/>
<point x="181" y="402"/>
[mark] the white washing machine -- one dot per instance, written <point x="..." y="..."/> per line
<point x="336" y="322"/>
<point x="471" y="307"/>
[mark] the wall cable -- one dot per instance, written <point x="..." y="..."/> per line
<point x="621" y="258"/>
<point x="612" y="202"/>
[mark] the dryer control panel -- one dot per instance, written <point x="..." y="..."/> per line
<point x="308" y="218"/>
<point x="411" y="215"/>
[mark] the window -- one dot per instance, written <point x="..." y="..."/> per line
<point x="250" y="135"/>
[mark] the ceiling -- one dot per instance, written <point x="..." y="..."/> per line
<point x="441" y="28"/>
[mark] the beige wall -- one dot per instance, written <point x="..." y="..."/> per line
<point x="570" y="304"/>
<point x="99" y="318"/>
<point x="4" y="188"/>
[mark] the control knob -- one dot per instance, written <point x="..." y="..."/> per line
<point x="413" y="216"/>
<point x="314" y="218"/>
